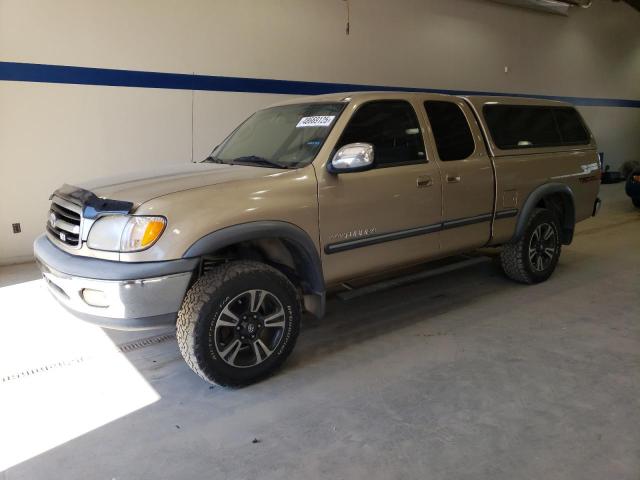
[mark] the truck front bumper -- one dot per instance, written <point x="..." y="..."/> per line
<point x="120" y="295"/>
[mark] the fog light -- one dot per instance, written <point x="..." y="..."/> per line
<point x="95" y="298"/>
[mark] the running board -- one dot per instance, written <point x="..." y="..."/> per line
<point x="410" y="278"/>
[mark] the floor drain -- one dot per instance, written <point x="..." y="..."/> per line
<point x="145" y="342"/>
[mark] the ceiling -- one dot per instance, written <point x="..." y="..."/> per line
<point x="559" y="7"/>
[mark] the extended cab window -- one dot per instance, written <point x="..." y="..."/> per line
<point x="392" y="127"/>
<point x="451" y="131"/>
<point x="528" y="126"/>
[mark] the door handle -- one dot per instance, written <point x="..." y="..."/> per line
<point x="452" y="179"/>
<point x="424" y="181"/>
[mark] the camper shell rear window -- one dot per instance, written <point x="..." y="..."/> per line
<point x="530" y="126"/>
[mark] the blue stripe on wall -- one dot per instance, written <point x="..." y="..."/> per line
<point x="33" y="72"/>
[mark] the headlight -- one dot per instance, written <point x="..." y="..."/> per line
<point x="125" y="233"/>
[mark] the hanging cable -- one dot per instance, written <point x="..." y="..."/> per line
<point x="348" y="17"/>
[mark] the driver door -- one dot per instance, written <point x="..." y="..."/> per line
<point x="387" y="216"/>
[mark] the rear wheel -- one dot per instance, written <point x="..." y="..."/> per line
<point x="533" y="258"/>
<point x="238" y="323"/>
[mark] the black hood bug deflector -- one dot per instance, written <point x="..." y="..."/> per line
<point x="92" y="206"/>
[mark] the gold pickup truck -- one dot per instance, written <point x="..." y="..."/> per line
<point x="306" y="195"/>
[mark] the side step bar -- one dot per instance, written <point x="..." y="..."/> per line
<point x="464" y="262"/>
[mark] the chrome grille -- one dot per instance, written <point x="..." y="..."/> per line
<point x="64" y="222"/>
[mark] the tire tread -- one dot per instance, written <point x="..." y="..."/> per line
<point x="512" y="256"/>
<point x="198" y="295"/>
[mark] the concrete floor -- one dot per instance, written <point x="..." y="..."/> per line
<point x="462" y="376"/>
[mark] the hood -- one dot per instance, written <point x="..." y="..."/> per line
<point x="139" y="187"/>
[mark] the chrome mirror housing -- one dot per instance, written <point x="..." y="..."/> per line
<point x="354" y="157"/>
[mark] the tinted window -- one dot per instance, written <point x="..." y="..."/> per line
<point x="572" y="130"/>
<point x="391" y="127"/>
<point x="524" y="126"/>
<point x="450" y="130"/>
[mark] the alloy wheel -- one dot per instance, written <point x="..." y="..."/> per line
<point x="542" y="247"/>
<point x="249" y="328"/>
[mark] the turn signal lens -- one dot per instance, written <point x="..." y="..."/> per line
<point x="152" y="232"/>
<point x="636" y="178"/>
<point x="141" y="233"/>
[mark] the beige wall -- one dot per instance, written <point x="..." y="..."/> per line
<point x="50" y="134"/>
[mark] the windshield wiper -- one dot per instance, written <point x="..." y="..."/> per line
<point x="212" y="159"/>
<point x="256" y="160"/>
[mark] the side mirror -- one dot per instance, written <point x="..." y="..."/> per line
<point x="354" y="157"/>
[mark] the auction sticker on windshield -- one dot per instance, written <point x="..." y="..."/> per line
<point x="316" y="121"/>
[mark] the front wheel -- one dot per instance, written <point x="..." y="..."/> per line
<point x="636" y="201"/>
<point x="533" y="258"/>
<point x="238" y="323"/>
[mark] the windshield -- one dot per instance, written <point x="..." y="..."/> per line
<point x="288" y="136"/>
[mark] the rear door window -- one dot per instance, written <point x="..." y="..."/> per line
<point x="451" y="131"/>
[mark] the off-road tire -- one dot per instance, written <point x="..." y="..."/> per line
<point x="514" y="257"/>
<point x="202" y="307"/>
